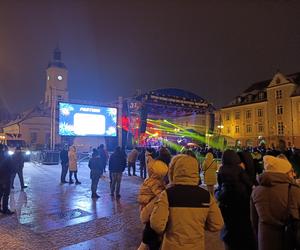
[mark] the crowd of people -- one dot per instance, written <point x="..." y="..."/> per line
<point x="256" y="192"/>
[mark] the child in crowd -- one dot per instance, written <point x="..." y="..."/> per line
<point x="149" y="192"/>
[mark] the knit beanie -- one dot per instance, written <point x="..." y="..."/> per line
<point x="274" y="164"/>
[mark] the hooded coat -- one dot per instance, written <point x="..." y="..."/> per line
<point x="233" y="194"/>
<point x="210" y="168"/>
<point x="269" y="208"/>
<point x="72" y="159"/>
<point x="154" y="184"/>
<point x="184" y="210"/>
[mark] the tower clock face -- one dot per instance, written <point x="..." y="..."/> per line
<point x="59" y="77"/>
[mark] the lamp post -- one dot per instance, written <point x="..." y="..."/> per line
<point x="53" y="118"/>
<point x="220" y="127"/>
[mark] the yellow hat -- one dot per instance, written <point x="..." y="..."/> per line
<point x="278" y="165"/>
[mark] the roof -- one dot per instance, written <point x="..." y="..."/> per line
<point x="295" y="77"/>
<point x="56" y="61"/>
<point x="297" y="91"/>
<point x="174" y="102"/>
<point x="39" y="110"/>
<point x="261" y="86"/>
<point x="178" y="93"/>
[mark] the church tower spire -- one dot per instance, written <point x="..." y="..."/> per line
<point x="57" y="80"/>
<point x="57" y="54"/>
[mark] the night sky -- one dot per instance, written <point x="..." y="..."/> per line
<point x="111" y="48"/>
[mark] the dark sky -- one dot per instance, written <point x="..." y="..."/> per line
<point x="111" y="48"/>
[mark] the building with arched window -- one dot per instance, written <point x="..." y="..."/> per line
<point x="267" y="111"/>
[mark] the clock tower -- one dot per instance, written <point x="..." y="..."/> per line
<point x="56" y="80"/>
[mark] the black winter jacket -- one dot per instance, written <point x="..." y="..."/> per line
<point x="96" y="166"/>
<point x="117" y="162"/>
<point x="64" y="156"/>
<point x="6" y="169"/>
<point x="233" y="194"/>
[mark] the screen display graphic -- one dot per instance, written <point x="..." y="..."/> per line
<point x="87" y="120"/>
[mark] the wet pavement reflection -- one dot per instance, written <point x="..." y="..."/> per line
<point x="50" y="215"/>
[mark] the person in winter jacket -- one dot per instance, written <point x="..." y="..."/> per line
<point x="132" y="156"/>
<point x="6" y="172"/>
<point x="64" y="158"/>
<point x="103" y="155"/>
<point x="142" y="159"/>
<point x="210" y="168"/>
<point x="73" y="164"/>
<point x="233" y="194"/>
<point x="184" y="210"/>
<point x="164" y="155"/>
<point x="269" y="202"/>
<point x="149" y="192"/>
<point x="96" y="166"/>
<point x="117" y="164"/>
<point x="18" y="162"/>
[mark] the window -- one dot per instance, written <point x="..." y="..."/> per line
<point x="237" y="115"/>
<point x="261" y="95"/>
<point x="239" y="100"/>
<point x="228" y="130"/>
<point x="280" y="128"/>
<point x="249" y="98"/>
<point x="33" y="137"/>
<point x="279" y="110"/>
<point x="260" y="113"/>
<point x="237" y="129"/>
<point x="248" y="114"/>
<point x="227" y="117"/>
<point x="248" y="129"/>
<point x="277" y="80"/>
<point x="278" y="94"/>
<point x="260" y="128"/>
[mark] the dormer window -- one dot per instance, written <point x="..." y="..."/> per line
<point x="277" y="80"/>
<point x="249" y="98"/>
<point x="261" y="95"/>
<point x="239" y="99"/>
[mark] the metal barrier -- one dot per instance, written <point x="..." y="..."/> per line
<point x="47" y="157"/>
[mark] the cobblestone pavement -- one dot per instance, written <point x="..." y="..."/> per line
<point x="54" y="216"/>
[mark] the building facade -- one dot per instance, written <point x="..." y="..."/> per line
<point x="267" y="112"/>
<point x="37" y="126"/>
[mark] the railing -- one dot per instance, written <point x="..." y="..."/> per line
<point x="47" y="157"/>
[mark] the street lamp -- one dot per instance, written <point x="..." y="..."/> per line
<point x="220" y="127"/>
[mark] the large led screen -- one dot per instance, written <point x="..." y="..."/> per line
<point x="87" y="120"/>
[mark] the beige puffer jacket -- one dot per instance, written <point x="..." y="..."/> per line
<point x="154" y="184"/>
<point x="184" y="210"/>
<point x="210" y="168"/>
<point x="72" y="159"/>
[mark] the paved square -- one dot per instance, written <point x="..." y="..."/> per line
<point x="54" y="216"/>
